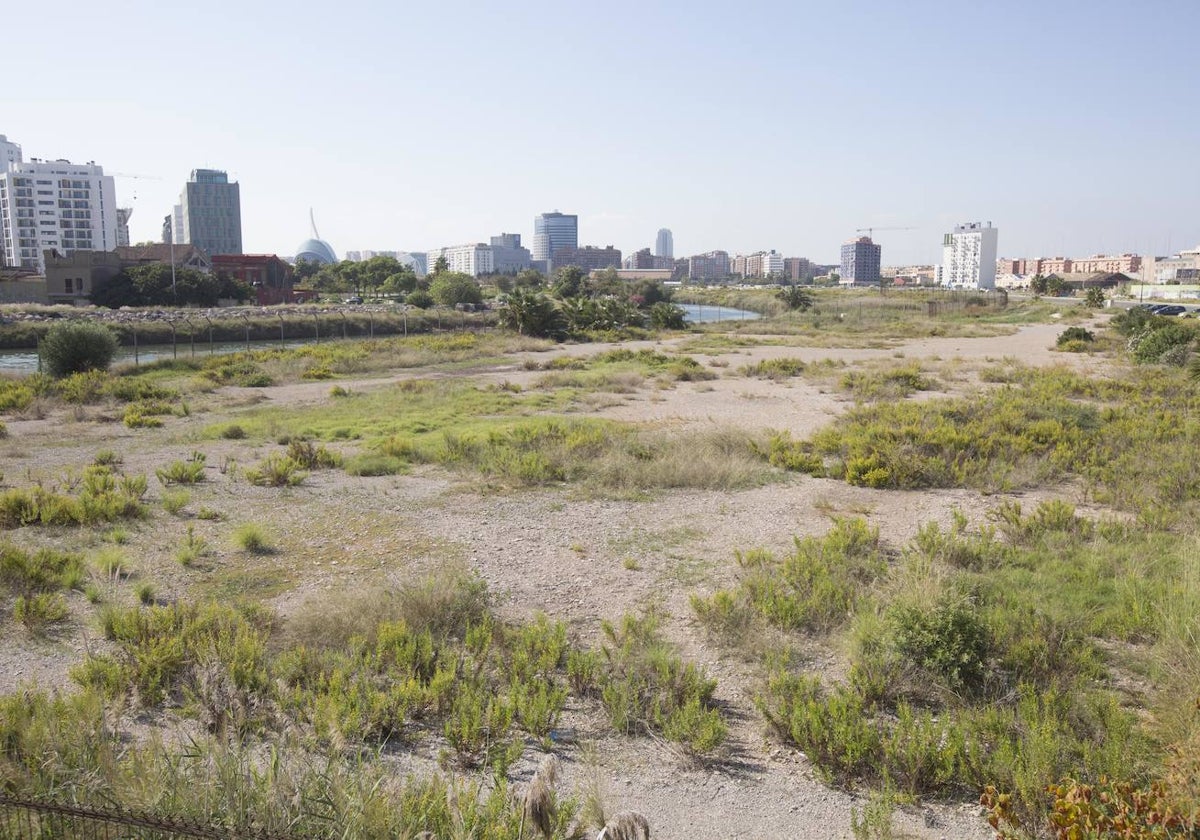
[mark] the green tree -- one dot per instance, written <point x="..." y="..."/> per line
<point x="1094" y="297"/>
<point x="78" y="346"/>
<point x="795" y="298"/>
<point x="153" y="285"/>
<point x="403" y="281"/>
<point x="305" y="269"/>
<point x="451" y="288"/>
<point x="376" y="271"/>
<point x="1037" y="284"/>
<point x="649" y="292"/>
<point x="441" y="266"/>
<point x="667" y="316"/>
<point x="1055" y="285"/>
<point x="532" y="313"/>
<point x="530" y="278"/>
<point x="568" y="281"/>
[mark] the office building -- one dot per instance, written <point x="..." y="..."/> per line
<point x="473" y="259"/>
<point x="553" y="231"/>
<point x="209" y="214"/>
<point x="123" y="214"/>
<point x="509" y="256"/>
<point x="771" y="265"/>
<point x="969" y="257"/>
<point x="711" y="266"/>
<point x="589" y="257"/>
<point x="860" y="262"/>
<point x="664" y="244"/>
<point x="53" y="206"/>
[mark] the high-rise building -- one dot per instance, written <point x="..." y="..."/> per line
<point x="797" y="269"/>
<point x="711" y="266"/>
<point x="664" y="244"/>
<point x="552" y="231"/>
<point x="860" y="262"/>
<point x="211" y="216"/>
<point x="969" y="257"/>
<point x="474" y="258"/>
<point x="509" y="256"/>
<point x="123" y="214"/>
<point x="640" y="259"/>
<point x="53" y="205"/>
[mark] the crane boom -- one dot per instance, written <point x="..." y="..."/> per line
<point x="871" y="230"/>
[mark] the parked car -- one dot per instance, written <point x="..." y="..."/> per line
<point x="1171" y="309"/>
<point x="355" y="299"/>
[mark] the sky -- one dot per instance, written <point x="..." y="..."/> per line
<point x="1073" y="127"/>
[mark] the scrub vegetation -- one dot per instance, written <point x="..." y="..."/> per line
<point x="1038" y="655"/>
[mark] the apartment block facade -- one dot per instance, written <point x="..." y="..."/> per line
<point x="860" y="262"/>
<point x="473" y="259"/>
<point x="969" y="256"/>
<point x="713" y="265"/>
<point x="53" y="206"/>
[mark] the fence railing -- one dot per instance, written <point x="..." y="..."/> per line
<point x="25" y="819"/>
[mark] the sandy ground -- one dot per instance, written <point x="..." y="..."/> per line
<point x="552" y="551"/>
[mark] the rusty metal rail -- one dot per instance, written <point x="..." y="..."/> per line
<point x="26" y="819"/>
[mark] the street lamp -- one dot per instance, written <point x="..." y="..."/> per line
<point x="174" y="292"/>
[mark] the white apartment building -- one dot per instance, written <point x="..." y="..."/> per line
<point x="969" y="257"/>
<point x="474" y="259"/>
<point x="55" y="205"/>
<point x="10" y="154"/>
<point x="772" y="264"/>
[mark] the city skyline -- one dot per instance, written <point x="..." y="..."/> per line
<point x="936" y="112"/>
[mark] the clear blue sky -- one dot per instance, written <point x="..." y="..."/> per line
<point x="1072" y="126"/>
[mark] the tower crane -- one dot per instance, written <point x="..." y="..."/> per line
<point x="136" y="177"/>
<point x="871" y="230"/>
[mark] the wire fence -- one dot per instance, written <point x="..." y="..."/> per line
<point x="25" y="819"/>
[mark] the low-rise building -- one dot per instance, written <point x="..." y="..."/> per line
<point x="268" y="275"/>
<point x="71" y="277"/>
<point x="184" y="256"/>
<point x="508" y="255"/>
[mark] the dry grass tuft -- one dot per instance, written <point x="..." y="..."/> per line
<point x="627" y="825"/>
<point x="538" y="805"/>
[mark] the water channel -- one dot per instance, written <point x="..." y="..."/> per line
<point x="26" y="361"/>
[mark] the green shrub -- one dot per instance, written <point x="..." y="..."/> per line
<point x="233" y="432"/>
<point x="173" y="501"/>
<point x="948" y="643"/>
<point x="106" y="458"/>
<point x="312" y="457"/>
<point x="43" y="570"/>
<point x="77" y="346"/>
<point x="38" y="611"/>
<point x="775" y="368"/>
<point x="420" y="299"/>
<point x="1075" y="334"/>
<point x="192" y="548"/>
<point x="372" y="465"/>
<point x="276" y="471"/>
<point x="1150" y="346"/>
<point x="253" y="538"/>
<point x="190" y="471"/>
<point x="145" y="592"/>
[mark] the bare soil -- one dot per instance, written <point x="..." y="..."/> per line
<point x="577" y="559"/>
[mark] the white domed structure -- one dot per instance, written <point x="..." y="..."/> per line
<point x="316" y="249"/>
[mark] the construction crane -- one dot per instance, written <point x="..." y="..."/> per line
<point x="136" y="178"/>
<point x="871" y="230"/>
